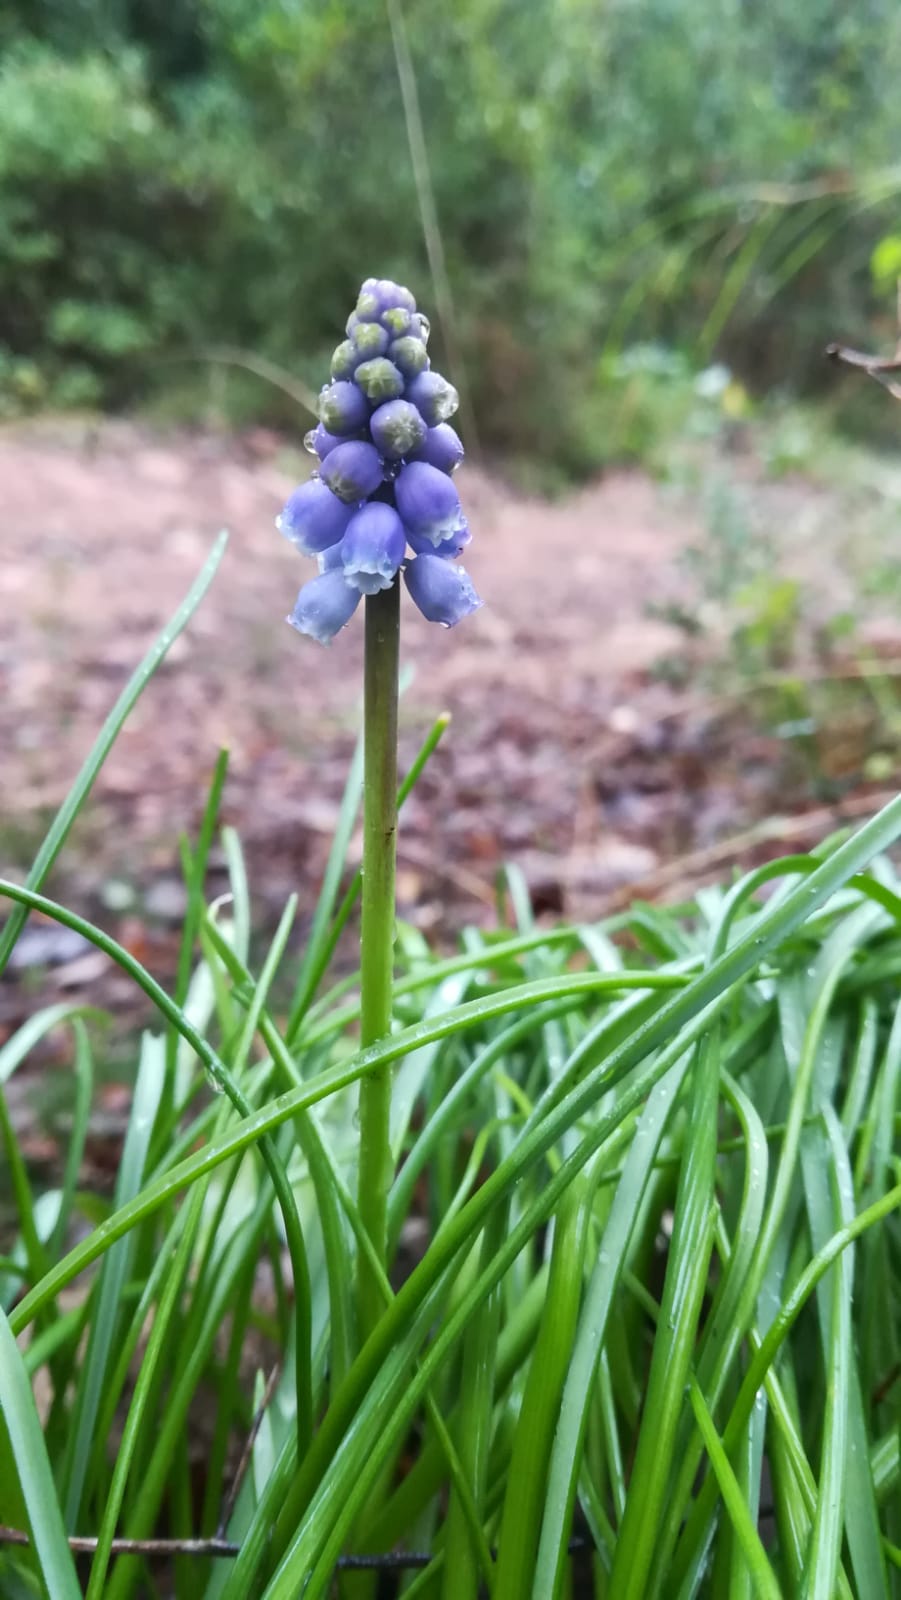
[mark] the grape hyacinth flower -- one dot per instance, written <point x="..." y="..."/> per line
<point x="381" y="500"/>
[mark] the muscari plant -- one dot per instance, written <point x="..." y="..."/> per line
<point x="383" y="489"/>
<point x="655" y="1158"/>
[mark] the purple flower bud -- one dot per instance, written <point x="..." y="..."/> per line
<point x="345" y="359"/>
<point x="443" y="592"/>
<point x="448" y="549"/>
<point x="324" y="606"/>
<point x="370" y="339"/>
<point x="323" y="442"/>
<point x="368" y="307"/>
<point x="441" y="448"/>
<point x="393" y="294"/>
<point x="353" y="470"/>
<point x="399" y="321"/>
<point x="343" y="408"/>
<point x="428" y="502"/>
<point x="433" y="396"/>
<point x="314" y="519"/>
<point x="373" y="548"/>
<point x="397" y="428"/>
<point x="382" y="294"/>
<point x="409" y="356"/>
<point x="379" y="380"/>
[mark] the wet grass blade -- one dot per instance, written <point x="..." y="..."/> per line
<point x="684" y="1286"/>
<point x="757" y="1564"/>
<point x="29" y="1455"/>
<point x="107" y="1315"/>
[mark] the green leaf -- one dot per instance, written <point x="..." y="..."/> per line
<point x="35" y="1477"/>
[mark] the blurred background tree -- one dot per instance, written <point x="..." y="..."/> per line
<point x="709" y="176"/>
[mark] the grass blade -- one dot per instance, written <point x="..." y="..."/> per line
<point x="35" y="1478"/>
<point x="762" y="1574"/>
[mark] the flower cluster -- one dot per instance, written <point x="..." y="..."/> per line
<point x="383" y="486"/>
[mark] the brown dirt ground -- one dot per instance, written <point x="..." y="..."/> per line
<point x="564" y="756"/>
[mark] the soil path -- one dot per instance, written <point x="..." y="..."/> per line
<point x="564" y="756"/>
<point x="104" y="530"/>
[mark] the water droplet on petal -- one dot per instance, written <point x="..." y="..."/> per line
<point x="309" y="441"/>
<point x="426" y="327"/>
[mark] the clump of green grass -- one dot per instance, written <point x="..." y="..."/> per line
<point x="643" y="1239"/>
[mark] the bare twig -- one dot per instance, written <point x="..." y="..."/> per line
<point x="247" y="1452"/>
<point x="394" y="1561"/>
<point x="83" y="1545"/>
<point x="873" y="366"/>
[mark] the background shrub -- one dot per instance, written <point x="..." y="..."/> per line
<point x="711" y="176"/>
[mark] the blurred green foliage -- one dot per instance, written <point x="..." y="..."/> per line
<point x="709" y="175"/>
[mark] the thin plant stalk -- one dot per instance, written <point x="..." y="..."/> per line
<point x="380" y="692"/>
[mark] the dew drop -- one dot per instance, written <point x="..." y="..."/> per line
<point x="425" y="328"/>
<point x="213" y="1081"/>
<point x="309" y="441"/>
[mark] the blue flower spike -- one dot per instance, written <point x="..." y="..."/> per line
<point x="381" y="500"/>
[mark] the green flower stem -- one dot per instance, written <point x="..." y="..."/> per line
<point x="380" y="688"/>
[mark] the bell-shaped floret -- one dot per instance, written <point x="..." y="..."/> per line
<point x="428" y="503"/>
<point x="373" y="548"/>
<point x="324" y="606"/>
<point x="314" y="518"/>
<point x="448" y="549"/>
<point x="443" y="592"/>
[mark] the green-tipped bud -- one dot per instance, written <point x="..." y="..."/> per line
<point x="345" y="360"/>
<point x="379" y="380"/>
<point x="432" y="395"/>
<point x="399" y="321"/>
<point x="409" y="356"/>
<point x="397" y="429"/>
<point x="368" y="306"/>
<point x="370" y="340"/>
